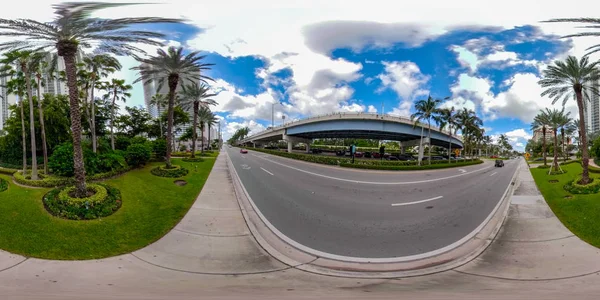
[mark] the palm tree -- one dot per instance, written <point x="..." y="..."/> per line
<point x="204" y="116"/>
<point x="98" y="66"/>
<point x="595" y="23"/>
<point x="542" y="120"/>
<point x="194" y="96"/>
<point x="446" y="117"/>
<point x="567" y="131"/>
<point x="211" y="123"/>
<point x="487" y="140"/>
<point x="116" y="90"/>
<point x="26" y="60"/>
<point x="468" y="122"/>
<point x="573" y="78"/>
<point x="425" y="110"/>
<point x="73" y="29"/>
<point x="503" y="142"/>
<point x="160" y="101"/>
<point x="40" y="66"/>
<point x="558" y="119"/>
<point x="174" y="67"/>
<point x="16" y="86"/>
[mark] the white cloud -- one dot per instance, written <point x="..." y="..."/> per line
<point x="404" y="78"/>
<point x="372" y="109"/>
<point x="231" y="127"/>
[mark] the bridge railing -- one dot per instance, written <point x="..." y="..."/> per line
<point x="342" y="114"/>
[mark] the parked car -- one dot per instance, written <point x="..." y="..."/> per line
<point x="405" y="157"/>
<point x="390" y="157"/>
<point x="499" y="163"/>
<point x="358" y="154"/>
<point x="316" y="151"/>
<point x="340" y="152"/>
<point x="243" y="151"/>
<point x="368" y="154"/>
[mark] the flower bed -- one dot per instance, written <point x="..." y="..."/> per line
<point x="3" y="185"/>
<point x="574" y="188"/>
<point x="50" y="181"/>
<point x="195" y="159"/>
<point x="173" y="172"/>
<point x="102" y="201"/>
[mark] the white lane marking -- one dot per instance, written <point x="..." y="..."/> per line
<point x="493" y="174"/>
<point x="266" y="170"/>
<point x="416" y="202"/>
<point x="372" y="182"/>
<point x="462" y="170"/>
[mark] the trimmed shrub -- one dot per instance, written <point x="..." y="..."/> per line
<point x="138" y="140"/>
<point x="45" y="180"/>
<point x="412" y="167"/>
<point x="195" y="159"/>
<point x="112" y="161"/>
<point x="7" y="171"/>
<point x="159" y="149"/>
<point x="122" y="142"/>
<point x="104" y="202"/>
<point x="138" y="155"/>
<point x="3" y="185"/>
<point x="173" y="172"/>
<point x="574" y="188"/>
<point x="543" y="167"/>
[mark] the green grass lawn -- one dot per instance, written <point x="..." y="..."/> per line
<point x="152" y="206"/>
<point x="581" y="213"/>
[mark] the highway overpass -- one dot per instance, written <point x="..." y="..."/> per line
<point x="353" y="125"/>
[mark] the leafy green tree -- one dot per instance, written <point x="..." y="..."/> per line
<point x="194" y="96"/>
<point x="173" y="67"/>
<point x="558" y="119"/>
<point x="160" y="101"/>
<point x="74" y="28"/>
<point x="573" y="79"/>
<point x="116" y="89"/>
<point x="425" y="109"/>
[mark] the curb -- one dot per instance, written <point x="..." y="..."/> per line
<point x="303" y="258"/>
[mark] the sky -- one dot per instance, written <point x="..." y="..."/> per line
<point x="305" y="58"/>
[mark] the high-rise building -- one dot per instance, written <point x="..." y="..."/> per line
<point x="591" y="112"/>
<point x="50" y="85"/>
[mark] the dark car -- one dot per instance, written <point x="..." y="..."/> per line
<point x="368" y="154"/>
<point x="499" y="163"/>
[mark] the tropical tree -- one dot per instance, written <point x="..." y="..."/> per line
<point x="160" y="101"/>
<point x="503" y="143"/>
<point x="98" y="66"/>
<point x="116" y="90"/>
<point x="425" y="109"/>
<point x="487" y="141"/>
<point x="576" y="79"/>
<point x="557" y="119"/>
<point x="195" y="96"/>
<point x="446" y="118"/>
<point x="41" y="66"/>
<point x="210" y="124"/>
<point x="174" y="67"/>
<point x="468" y="123"/>
<point x="16" y="86"/>
<point x="73" y="29"/>
<point x="595" y="24"/>
<point x="567" y="132"/>
<point x="204" y="117"/>
<point x="542" y="120"/>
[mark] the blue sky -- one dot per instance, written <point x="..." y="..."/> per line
<point x="318" y="57"/>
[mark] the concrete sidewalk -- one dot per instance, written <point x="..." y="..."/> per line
<point x="533" y="256"/>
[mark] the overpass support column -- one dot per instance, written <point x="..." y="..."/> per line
<point x="307" y="147"/>
<point x="292" y="139"/>
<point x="290" y="145"/>
<point x="402" y="150"/>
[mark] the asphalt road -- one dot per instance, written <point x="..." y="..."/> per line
<point x="373" y="214"/>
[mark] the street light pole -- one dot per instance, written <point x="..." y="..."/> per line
<point x="273" y="113"/>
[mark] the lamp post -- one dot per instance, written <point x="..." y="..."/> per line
<point x="282" y="120"/>
<point x="273" y="113"/>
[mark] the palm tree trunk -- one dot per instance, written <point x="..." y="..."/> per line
<point x="585" y="159"/>
<point x="429" y="142"/>
<point x="78" y="164"/>
<point x="42" y="125"/>
<point x="201" y="137"/>
<point x="209" y="143"/>
<point x="562" y="133"/>
<point x="194" y="133"/>
<point x="555" y="162"/>
<point x="112" y="120"/>
<point x="173" y="80"/>
<point x="450" y="146"/>
<point x="93" y="117"/>
<point x="544" y="143"/>
<point x="23" y="136"/>
<point x="34" y="171"/>
<point x="421" y="146"/>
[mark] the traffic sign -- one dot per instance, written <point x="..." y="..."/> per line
<point x="527" y="155"/>
<point x="456" y="152"/>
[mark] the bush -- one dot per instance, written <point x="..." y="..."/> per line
<point x="595" y="152"/>
<point x="173" y="172"/>
<point x="138" y="155"/>
<point x="104" y="202"/>
<point x="138" y="140"/>
<point x="159" y="149"/>
<point x="195" y="159"/>
<point x="574" y="188"/>
<point x="61" y="161"/>
<point x="122" y="142"/>
<point x="45" y="180"/>
<point x="7" y="171"/>
<point x="412" y="167"/>
<point x="3" y="185"/>
<point x="544" y="167"/>
<point x="112" y="161"/>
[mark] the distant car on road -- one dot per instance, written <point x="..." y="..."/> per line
<point x="243" y="151"/>
<point x="499" y="163"/>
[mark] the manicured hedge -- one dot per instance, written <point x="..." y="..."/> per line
<point x="195" y="159"/>
<point x="3" y="185"/>
<point x="56" y="181"/>
<point x="103" y="203"/>
<point x="574" y="188"/>
<point x="206" y="153"/>
<point x="412" y="167"/>
<point x="361" y="163"/>
<point x="543" y="167"/>
<point x="174" y="172"/>
<point x="7" y="171"/>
